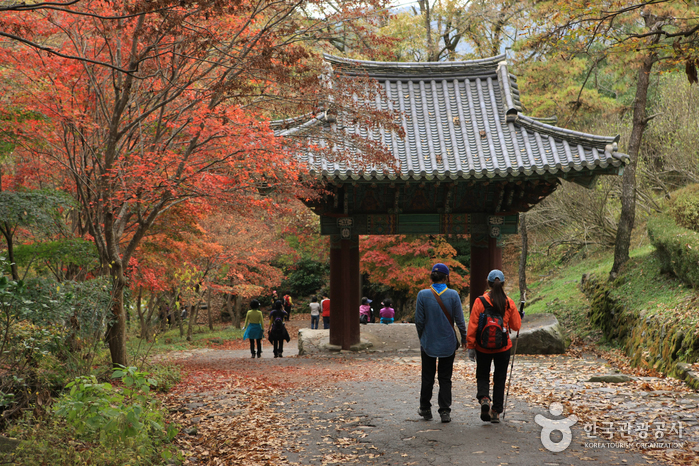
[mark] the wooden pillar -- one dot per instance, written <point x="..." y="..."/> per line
<point x="344" y="291"/>
<point x="485" y="256"/>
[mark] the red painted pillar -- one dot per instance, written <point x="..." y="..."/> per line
<point x="485" y="256"/>
<point x="479" y="271"/>
<point x="344" y="291"/>
<point x="494" y="255"/>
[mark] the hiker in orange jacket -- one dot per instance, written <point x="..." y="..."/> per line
<point x="492" y="317"/>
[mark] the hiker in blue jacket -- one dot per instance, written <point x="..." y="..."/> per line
<point x="436" y="311"/>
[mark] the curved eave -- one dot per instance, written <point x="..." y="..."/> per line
<point x="298" y="129"/>
<point x="606" y="143"/>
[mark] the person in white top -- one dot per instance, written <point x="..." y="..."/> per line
<point x="315" y="312"/>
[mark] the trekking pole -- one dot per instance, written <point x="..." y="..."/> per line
<point x="512" y="365"/>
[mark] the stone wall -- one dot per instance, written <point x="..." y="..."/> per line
<point x="663" y="342"/>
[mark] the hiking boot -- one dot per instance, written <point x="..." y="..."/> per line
<point x="259" y="355"/>
<point x="253" y="356"/>
<point x="445" y="416"/>
<point x="494" y="417"/>
<point x="425" y="413"/>
<point x="276" y="355"/>
<point x="485" y="409"/>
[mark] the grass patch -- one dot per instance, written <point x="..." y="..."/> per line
<point x="642" y="286"/>
<point x="171" y="340"/>
<point x="555" y="289"/>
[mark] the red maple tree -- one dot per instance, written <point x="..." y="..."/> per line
<point x="177" y="117"/>
<point x="402" y="263"/>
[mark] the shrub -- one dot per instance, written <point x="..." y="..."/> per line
<point x="683" y="207"/>
<point x="678" y="248"/>
<point x="166" y="376"/>
<point x="306" y="277"/>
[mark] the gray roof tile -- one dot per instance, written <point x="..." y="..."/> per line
<point x="461" y="120"/>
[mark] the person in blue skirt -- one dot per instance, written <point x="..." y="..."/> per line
<point x="254" y="331"/>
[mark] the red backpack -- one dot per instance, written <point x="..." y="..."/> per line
<point x="491" y="333"/>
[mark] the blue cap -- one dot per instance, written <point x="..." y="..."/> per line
<point x="495" y="273"/>
<point x="439" y="267"/>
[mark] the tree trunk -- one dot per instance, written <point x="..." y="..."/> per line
<point x="425" y="7"/>
<point x="628" y="183"/>
<point x="153" y="304"/>
<point x="8" y="232"/>
<point x="208" y="310"/>
<point x="141" y="314"/>
<point x="116" y="333"/>
<point x="192" y="318"/>
<point x="236" y="311"/>
<point x="523" y="257"/>
<point x="229" y="308"/>
<point x="178" y="316"/>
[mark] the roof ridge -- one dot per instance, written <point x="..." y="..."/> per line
<point x="415" y="68"/>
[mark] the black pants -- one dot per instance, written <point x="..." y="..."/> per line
<point x="429" y="367"/>
<point x="259" y="346"/>
<point x="483" y="361"/>
<point x="326" y="321"/>
<point x="278" y="347"/>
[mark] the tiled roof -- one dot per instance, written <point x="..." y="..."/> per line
<point x="462" y="120"/>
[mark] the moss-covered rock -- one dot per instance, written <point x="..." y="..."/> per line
<point x="677" y="247"/>
<point x="652" y="340"/>
<point x="683" y="207"/>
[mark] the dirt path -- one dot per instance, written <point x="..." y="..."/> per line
<point x="361" y="409"/>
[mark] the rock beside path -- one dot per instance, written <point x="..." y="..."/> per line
<point x="540" y="334"/>
<point x="7" y="444"/>
<point x="611" y="378"/>
<point x="373" y="338"/>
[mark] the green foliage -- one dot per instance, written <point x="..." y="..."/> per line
<point x="63" y="258"/>
<point x="98" y="423"/>
<point x="555" y="87"/>
<point x="306" y="277"/>
<point x="683" y="207"/>
<point x="165" y="375"/>
<point x="462" y="246"/>
<point x="48" y="332"/>
<point x="669" y="150"/>
<point x="678" y="248"/>
<point x="100" y="411"/>
<point x="52" y="442"/>
<point x="38" y="209"/>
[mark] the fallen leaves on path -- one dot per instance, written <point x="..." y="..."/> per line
<point x="237" y="404"/>
<point x="645" y="411"/>
<point x="228" y="418"/>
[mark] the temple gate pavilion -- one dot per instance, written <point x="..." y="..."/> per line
<point x="469" y="162"/>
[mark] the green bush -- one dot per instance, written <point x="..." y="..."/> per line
<point x="166" y="376"/>
<point x="99" y="424"/>
<point x="100" y="410"/>
<point x="678" y="248"/>
<point x="684" y="207"/>
<point x="306" y="277"/>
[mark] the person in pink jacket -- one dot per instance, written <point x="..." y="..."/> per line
<point x="387" y="313"/>
<point x="365" y="311"/>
